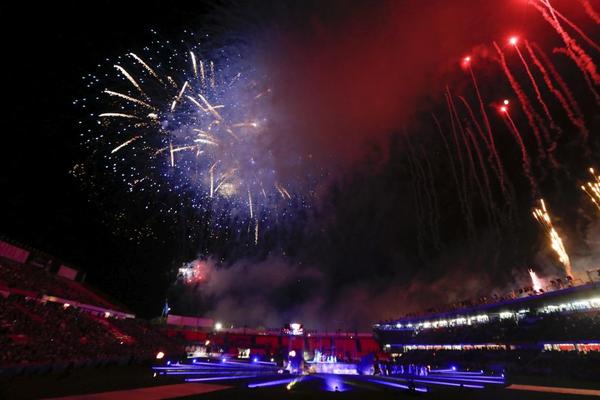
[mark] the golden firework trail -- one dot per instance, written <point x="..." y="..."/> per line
<point x="129" y="98"/>
<point x="245" y="125"/>
<point x="183" y="148"/>
<point x="212" y="75"/>
<point x="117" y="115"/>
<point x="172" y="81"/>
<point x="542" y="216"/>
<point x="146" y="66"/>
<point x="119" y="147"/>
<point x="196" y="103"/>
<point x="202" y="75"/>
<point x="185" y="85"/>
<point x="224" y="178"/>
<point x="250" y="204"/>
<point x="212" y="178"/>
<point x="256" y="231"/>
<point x="210" y="108"/>
<point x="130" y="79"/>
<point x="592" y="188"/>
<point x="536" y="282"/>
<point x="204" y="140"/>
<point x="282" y="191"/>
<point x="194" y="64"/>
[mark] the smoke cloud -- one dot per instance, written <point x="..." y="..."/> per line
<point x="347" y="75"/>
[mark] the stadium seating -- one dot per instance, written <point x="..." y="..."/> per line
<point x="41" y="282"/>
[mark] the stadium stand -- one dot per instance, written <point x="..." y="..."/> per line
<point x="49" y="321"/>
<point x="556" y="332"/>
<point x="50" y="334"/>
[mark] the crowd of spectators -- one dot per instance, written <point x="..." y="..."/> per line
<point x="576" y="365"/>
<point x="555" y="327"/>
<point x="33" y="332"/>
<point x="526" y="291"/>
<point x="40" y="281"/>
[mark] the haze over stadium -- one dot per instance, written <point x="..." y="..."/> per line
<point x="353" y="166"/>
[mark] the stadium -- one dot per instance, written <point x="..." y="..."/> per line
<point x="279" y="199"/>
<point x="484" y="347"/>
<point x="552" y="332"/>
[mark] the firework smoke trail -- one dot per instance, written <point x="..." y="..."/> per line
<point x="417" y="197"/>
<point x="471" y="160"/>
<point x="588" y="81"/>
<point x="536" y="282"/>
<point x="561" y="82"/>
<point x="461" y="199"/>
<point x="575" y="52"/>
<point x="486" y="120"/>
<point x="466" y="183"/>
<point x="425" y="180"/>
<point x="491" y="159"/>
<point x="533" y="82"/>
<point x="592" y="188"/>
<point x="575" y="120"/>
<point x="436" y="211"/>
<point x="493" y="211"/>
<point x="525" y="105"/>
<point x="577" y="29"/>
<point x="525" y="157"/>
<point x="542" y="216"/>
<point x="590" y="11"/>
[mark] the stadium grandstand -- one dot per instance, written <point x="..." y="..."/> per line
<point x="51" y="321"/>
<point x="530" y="331"/>
<point x="268" y="344"/>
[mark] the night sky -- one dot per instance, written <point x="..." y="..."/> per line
<point x="382" y="228"/>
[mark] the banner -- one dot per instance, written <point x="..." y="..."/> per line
<point x="195" y="322"/>
<point x="14" y="253"/>
<point x="67" y="272"/>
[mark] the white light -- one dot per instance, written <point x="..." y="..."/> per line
<point x="218" y="326"/>
<point x="160" y="355"/>
<point x="292" y="353"/>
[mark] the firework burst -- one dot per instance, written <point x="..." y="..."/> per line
<point x="542" y="216"/>
<point x="592" y="188"/>
<point x="536" y="282"/>
<point x="196" y="128"/>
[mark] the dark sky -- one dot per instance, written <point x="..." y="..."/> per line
<point x="51" y="48"/>
<point x="385" y="231"/>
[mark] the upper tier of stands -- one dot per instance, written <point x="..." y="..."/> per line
<point x="37" y="332"/>
<point x="35" y="281"/>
